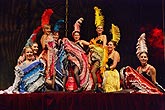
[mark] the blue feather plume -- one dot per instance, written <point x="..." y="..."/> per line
<point x="57" y="26"/>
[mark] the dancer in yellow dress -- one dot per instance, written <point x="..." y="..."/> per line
<point x="111" y="77"/>
<point x="98" y="51"/>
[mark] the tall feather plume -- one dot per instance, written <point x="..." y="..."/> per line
<point x="58" y="24"/>
<point x="115" y="33"/>
<point x="32" y="38"/>
<point x="77" y="25"/>
<point x="99" y="18"/>
<point x="46" y="17"/>
<point x="141" y="45"/>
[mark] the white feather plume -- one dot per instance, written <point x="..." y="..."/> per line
<point x="141" y="45"/>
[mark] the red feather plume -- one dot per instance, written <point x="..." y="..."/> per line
<point x="46" y="17"/>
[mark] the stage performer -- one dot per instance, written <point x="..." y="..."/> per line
<point x="56" y="33"/>
<point x="35" y="49"/>
<point x="59" y="78"/>
<point x="142" y="80"/>
<point x="48" y="47"/>
<point x="31" y="42"/>
<point x="76" y="69"/>
<point x="29" y="75"/>
<point x="98" y="50"/>
<point x="146" y="69"/>
<point x="111" y="77"/>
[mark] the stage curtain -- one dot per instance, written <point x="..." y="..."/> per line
<point x="81" y="101"/>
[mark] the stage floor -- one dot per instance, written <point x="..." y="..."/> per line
<point x="82" y="101"/>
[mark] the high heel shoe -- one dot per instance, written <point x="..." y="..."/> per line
<point x="79" y="90"/>
<point x="100" y="90"/>
<point x="95" y="88"/>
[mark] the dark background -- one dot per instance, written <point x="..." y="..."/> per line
<point x="18" y="19"/>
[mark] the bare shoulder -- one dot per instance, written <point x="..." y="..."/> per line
<point x="43" y="36"/>
<point x="152" y="69"/>
<point x="116" y="53"/>
<point x="104" y="36"/>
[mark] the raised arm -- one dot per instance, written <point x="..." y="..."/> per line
<point x="104" y="40"/>
<point x="84" y="42"/>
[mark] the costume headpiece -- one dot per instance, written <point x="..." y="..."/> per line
<point x="99" y="18"/>
<point x="77" y="25"/>
<point x="32" y="38"/>
<point x="141" y="45"/>
<point x="115" y="33"/>
<point x="57" y="26"/>
<point x="46" y="17"/>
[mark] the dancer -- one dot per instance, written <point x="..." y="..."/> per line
<point x="76" y="68"/>
<point x="147" y="70"/>
<point x="98" y="50"/>
<point x="29" y="75"/>
<point x="136" y="80"/>
<point x="48" y="47"/>
<point x="61" y="59"/>
<point x="111" y="77"/>
<point x="32" y="43"/>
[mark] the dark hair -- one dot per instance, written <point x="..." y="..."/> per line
<point x="75" y="32"/>
<point x="114" y="43"/>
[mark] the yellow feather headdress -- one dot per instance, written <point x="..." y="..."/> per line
<point x="99" y="18"/>
<point x="115" y="33"/>
<point x="141" y="45"/>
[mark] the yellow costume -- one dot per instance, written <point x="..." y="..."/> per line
<point x="111" y="77"/>
<point x="111" y="81"/>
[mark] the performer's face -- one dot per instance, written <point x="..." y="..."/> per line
<point x="29" y="53"/>
<point x="111" y="46"/>
<point x="35" y="48"/>
<point x="47" y="29"/>
<point x="99" y="29"/>
<point x="56" y="36"/>
<point x="76" y="36"/>
<point x="143" y="58"/>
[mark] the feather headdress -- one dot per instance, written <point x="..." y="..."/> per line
<point x="57" y="26"/>
<point x="46" y="17"/>
<point x="115" y="33"/>
<point x="141" y="45"/>
<point x="99" y="18"/>
<point x="77" y="25"/>
<point x="32" y="38"/>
